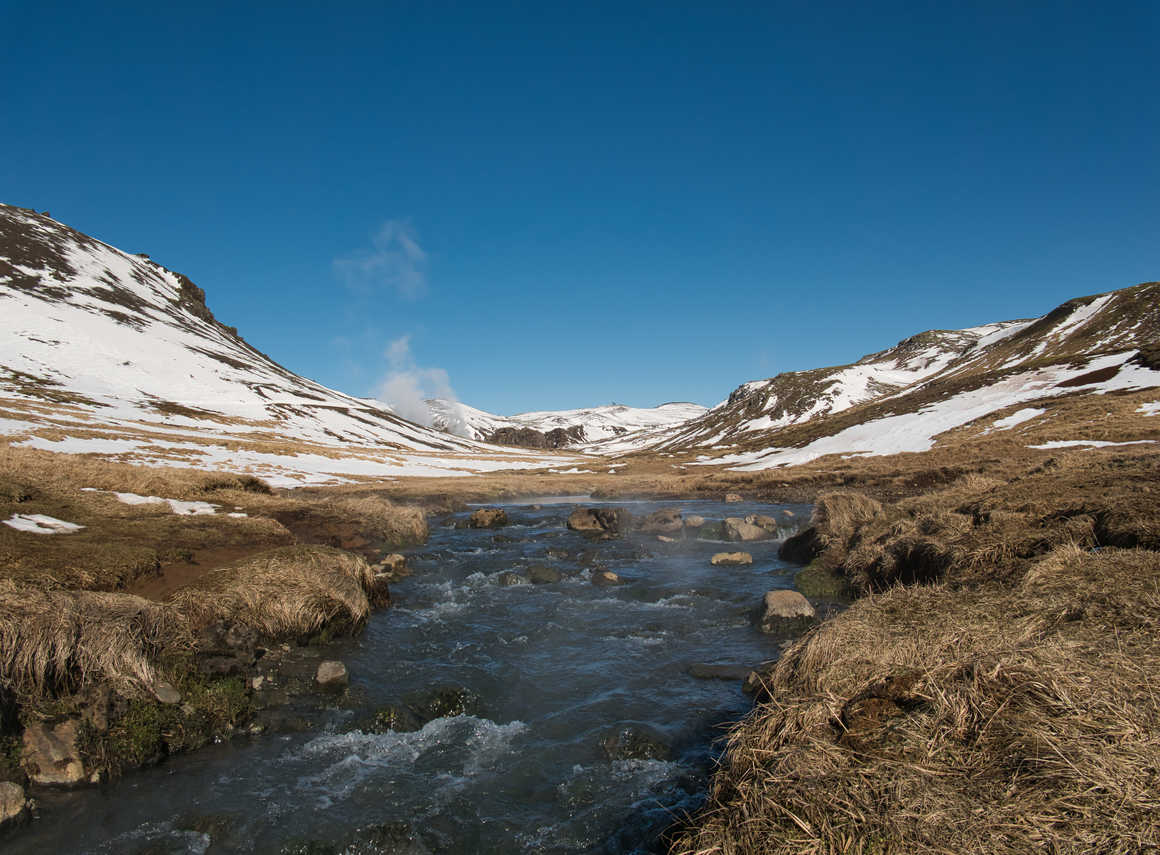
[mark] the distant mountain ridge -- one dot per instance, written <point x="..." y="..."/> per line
<point x="558" y="428"/>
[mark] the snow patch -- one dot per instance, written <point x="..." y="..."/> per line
<point x="41" y="524"/>
<point x="1016" y="418"/>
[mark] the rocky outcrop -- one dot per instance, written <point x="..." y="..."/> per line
<point x="599" y="520"/>
<point x="738" y="529"/>
<point x="51" y="755"/>
<point x="532" y="438"/>
<point x="784" y="611"/>
<point x="488" y="518"/>
<point x="731" y="559"/>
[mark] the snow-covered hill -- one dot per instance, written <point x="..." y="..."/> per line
<point x="581" y="426"/>
<point x="901" y="399"/>
<point x="109" y="352"/>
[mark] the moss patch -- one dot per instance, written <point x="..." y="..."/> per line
<point x="819" y="583"/>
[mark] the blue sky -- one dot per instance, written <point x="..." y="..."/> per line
<point x="560" y="205"/>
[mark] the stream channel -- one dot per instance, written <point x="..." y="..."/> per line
<point x="557" y="668"/>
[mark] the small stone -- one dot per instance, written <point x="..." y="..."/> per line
<point x="694" y="521"/>
<point x="604" y="578"/>
<point x="731" y="559"/>
<point x="731" y="498"/>
<point x="13" y="804"/>
<point x="509" y="579"/>
<point x="664" y="538"/>
<point x="332" y="675"/>
<point x="166" y="693"/>
<point x="256" y="682"/>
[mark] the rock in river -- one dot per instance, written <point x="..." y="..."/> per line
<point x="731" y="498"/>
<point x="731" y="559"/>
<point x="664" y="521"/>
<point x="784" y="611"/>
<point x="738" y="529"/>
<point x="13" y="805"/>
<point x="51" y="755"/>
<point x="331" y="675"/>
<point x="605" y="578"/>
<point x="541" y="574"/>
<point x="488" y="518"/>
<point x="599" y="520"/>
<point x="635" y="742"/>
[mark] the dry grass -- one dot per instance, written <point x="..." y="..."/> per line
<point x="291" y="592"/>
<point x="933" y="720"/>
<point x="57" y="641"/>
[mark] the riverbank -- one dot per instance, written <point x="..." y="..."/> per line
<point x="993" y="690"/>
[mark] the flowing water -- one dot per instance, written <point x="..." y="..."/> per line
<point x="557" y="668"/>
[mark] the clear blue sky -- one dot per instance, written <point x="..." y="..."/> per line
<point x="570" y="204"/>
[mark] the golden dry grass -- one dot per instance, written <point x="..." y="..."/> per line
<point x="932" y="720"/>
<point x="54" y="641"/>
<point x="290" y="592"/>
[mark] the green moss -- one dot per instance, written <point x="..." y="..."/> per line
<point x="818" y="582"/>
<point x="144" y="730"/>
<point x="10" y="749"/>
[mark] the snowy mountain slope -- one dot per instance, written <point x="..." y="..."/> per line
<point x="903" y="398"/>
<point x="594" y="423"/>
<point x="118" y="353"/>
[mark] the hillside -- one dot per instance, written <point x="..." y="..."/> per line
<point x="904" y="398"/>
<point x="103" y="351"/>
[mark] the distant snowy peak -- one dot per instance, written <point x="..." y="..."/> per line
<point x="1081" y="328"/>
<point x="590" y="425"/>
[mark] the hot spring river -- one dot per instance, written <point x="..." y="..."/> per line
<point x="557" y="667"/>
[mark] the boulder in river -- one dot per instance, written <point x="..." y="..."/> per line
<point x="599" y="520"/>
<point x="605" y="578"/>
<point x="51" y="755"/>
<point x="541" y="574"/>
<point x="762" y="521"/>
<point x="738" y="529"/>
<point x="664" y="521"/>
<point x="13" y="804"/>
<point x="488" y="518"/>
<point x="393" y="566"/>
<point x="731" y="559"/>
<point x="510" y="578"/>
<point x="784" y="611"/>
<point x="731" y="498"/>
<point x="694" y="521"/>
<point x="635" y="742"/>
<point x="331" y="675"/>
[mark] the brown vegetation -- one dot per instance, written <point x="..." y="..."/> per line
<point x="927" y="719"/>
<point x="291" y="592"/>
<point x="1004" y="704"/>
